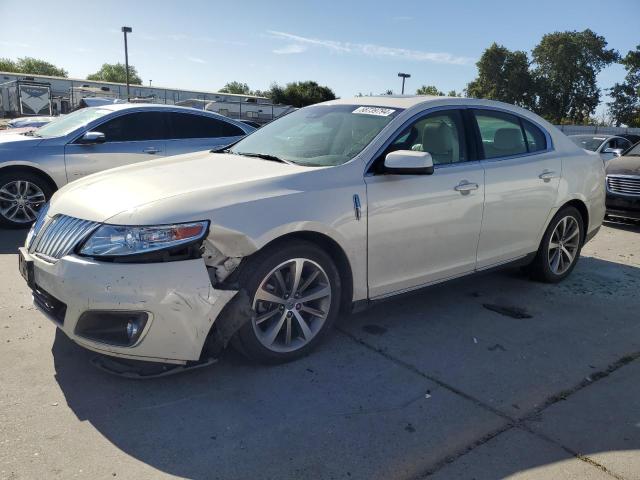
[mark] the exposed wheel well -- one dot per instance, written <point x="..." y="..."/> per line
<point x="337" y="254"/>
<point x="32" y="170"/>
<point x="584" y="213"/>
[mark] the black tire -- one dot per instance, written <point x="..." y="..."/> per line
<point x="540" y="268"/>
<point x="250" y="276"/>
<point x="22" y="175"/>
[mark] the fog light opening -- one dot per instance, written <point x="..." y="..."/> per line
<point x="119" y="328"/>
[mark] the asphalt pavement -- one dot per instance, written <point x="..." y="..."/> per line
<point x="488" y="377"/>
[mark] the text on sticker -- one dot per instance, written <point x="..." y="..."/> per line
<point x="381" y="112"/>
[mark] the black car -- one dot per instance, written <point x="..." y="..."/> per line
<point x="623" y="184"/>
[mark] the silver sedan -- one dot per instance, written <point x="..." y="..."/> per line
<point x="33" y="165"/>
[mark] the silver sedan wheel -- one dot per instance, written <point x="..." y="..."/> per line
<point x="563" y="245"/>
<point x="20" y="201"/>
<point x="292" y="304"/>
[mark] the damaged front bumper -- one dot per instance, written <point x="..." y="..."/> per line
<point x="178" y="299"/>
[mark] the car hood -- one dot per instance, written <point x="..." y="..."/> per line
<point x="624" y="166"/>
<point x="206" y="179"/>
<point x="12" y="140"/>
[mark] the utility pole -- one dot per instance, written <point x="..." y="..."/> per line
<point x="126" y="30"/>
<point x="403" y="76"/>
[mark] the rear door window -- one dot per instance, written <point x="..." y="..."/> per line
<point x="501" y="134"/>
<point x="185" y="125"/>
<point x="536" y="140"/>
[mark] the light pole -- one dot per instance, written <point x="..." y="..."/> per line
<point x="150" y="82"/>
<point x="403" y="76"/>
<point x="126" y="30"/>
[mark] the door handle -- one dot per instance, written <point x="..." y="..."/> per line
<point x="547" y="175"/>
<point x="151" y="150"/>
<point x="465" y="187"/>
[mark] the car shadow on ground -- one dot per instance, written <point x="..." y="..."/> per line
<point x="356" y="407"/>
<point x="11" y="240"/>
<point x="628" y="225"/>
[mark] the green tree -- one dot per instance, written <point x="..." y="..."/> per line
<point x="429" y="90"/>
<point x="300" y="94"/>
<point x="33" y="66"/>
<point x="7" y="65"/>
<point x="566" y="67"/>
<point x="237" y="88"/>
<point x="503" y="75"/>
<point x="453" y="93"/>
<point x="117" y="73"/>
<point x="625" y="108"/>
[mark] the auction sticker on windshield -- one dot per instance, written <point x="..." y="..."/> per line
<point x="380" y="112"/>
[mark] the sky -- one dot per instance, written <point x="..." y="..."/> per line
<point x="351" y="46"/>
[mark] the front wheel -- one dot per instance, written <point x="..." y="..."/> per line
<point x="295" y="294"/>
<point x="560" y="247"/>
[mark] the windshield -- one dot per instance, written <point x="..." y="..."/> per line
<point x="634" y="152"/>
<point x="318" y="136"/>
<point x="65" y="125"/>
<point x="587" y="141"/>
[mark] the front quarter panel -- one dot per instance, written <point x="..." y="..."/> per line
<point x="46" y="156"/>
<point x="246" y="218"/>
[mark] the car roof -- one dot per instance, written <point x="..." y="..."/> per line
<point x="409" y="101"/>
<point x="149" y="106"/>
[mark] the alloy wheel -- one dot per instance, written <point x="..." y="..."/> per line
<point x="20" y="201"/>
<point x="292" y="304"/>
<point x="564" y="245"/>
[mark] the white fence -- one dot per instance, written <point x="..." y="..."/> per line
<point x="590" y="129"/>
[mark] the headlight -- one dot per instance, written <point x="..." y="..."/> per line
<point x="121" y="241"/>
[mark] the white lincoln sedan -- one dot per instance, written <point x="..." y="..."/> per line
<point x="327" y="209"/>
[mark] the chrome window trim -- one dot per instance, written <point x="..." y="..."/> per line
<point x="428" y="111"/>
<point x="121" y="113"/>
<point x="547" y="136"/>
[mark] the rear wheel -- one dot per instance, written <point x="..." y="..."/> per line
<point x="295" y="295"/>
<point x="22" y="195"/>
<point x="560" y="247"/>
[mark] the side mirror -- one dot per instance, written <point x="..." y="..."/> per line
<point x="92" y="138"/>
<point x="408" y="162"/>
<point x="616" y="151"/>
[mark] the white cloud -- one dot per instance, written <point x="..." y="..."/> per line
<point x="196" y="60"/>
<point x="402" y="18"/>
<point x="290" y="49"/>
<point x="372" y="50"/>
<point x="6" y="43"/>
<point x="178" y="36"/>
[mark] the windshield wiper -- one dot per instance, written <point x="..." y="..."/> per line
<point x="264" y="156"/>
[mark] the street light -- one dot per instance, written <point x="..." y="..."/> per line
<point x="126" y="30"/>
<point x="403" y="76"/>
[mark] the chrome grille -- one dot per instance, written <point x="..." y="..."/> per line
<point x="59" y="236"/>
<point x="624" y="184"/>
